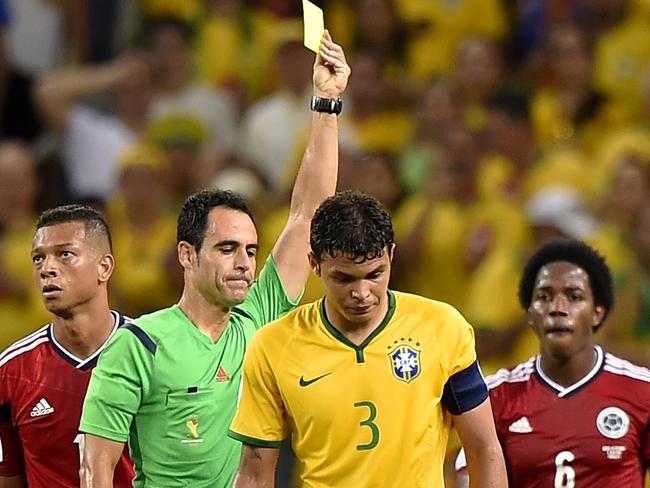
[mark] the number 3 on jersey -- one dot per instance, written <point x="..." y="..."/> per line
<point x="565" y="475"/>
<point x="369" y="422"/>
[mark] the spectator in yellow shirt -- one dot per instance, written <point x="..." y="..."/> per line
<point x="144" y="231"/>
<point x="20" y="303"/>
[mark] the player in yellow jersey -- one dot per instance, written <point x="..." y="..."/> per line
<point x="366" y="381"/>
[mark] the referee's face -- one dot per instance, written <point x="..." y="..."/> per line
<point x="225" y="266"/>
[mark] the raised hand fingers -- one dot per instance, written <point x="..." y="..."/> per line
<point x="329" y="44"/>
<point x="331" y="52"/>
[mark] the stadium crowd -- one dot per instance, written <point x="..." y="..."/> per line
<point x="485" y="128"/>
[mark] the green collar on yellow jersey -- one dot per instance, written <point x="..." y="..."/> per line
<point x="359" y="348"/>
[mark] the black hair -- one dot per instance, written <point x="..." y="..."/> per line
<point x="351" y="224"/>
<point x="158" y="23"/>
<point x="575" y="252"/>
<point x="193" y="217"/>
<point x="514" y="104"/>
<point x="94" y="221"/>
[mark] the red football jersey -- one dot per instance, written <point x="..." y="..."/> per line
<point x="593" y="433"/>
<point x="42" y="389"/>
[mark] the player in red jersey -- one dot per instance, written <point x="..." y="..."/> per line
<point x="43" y="377"/>
<point x="574" y="415"/>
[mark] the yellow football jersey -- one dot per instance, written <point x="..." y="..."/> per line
<point x="359" y="416"/>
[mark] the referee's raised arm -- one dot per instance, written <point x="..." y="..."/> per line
<point x="318" y="171"/>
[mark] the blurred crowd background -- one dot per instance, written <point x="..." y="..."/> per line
<point x="484" y="126"/>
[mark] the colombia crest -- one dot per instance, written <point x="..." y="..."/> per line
<point x="405" y="360"/>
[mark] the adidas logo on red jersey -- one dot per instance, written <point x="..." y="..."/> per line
<point x="521" y="426"/>
<point x="42" y="408"/>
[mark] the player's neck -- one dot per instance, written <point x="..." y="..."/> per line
<point x="85" y="331"/>
<point x="356" y="332"/>
<point x="209" y="318"/>
<point x="567" y="371"/>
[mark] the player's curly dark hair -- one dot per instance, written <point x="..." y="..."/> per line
<point x="351" y="224"/>
<point x="575" y="252"/>
<point x="193" y="217"/>
<point x="94" y="221"/>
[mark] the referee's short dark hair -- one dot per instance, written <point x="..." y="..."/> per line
<point x="94" y="221"/>
<point x="193" y="217"/>
<point x="575" y="252"/>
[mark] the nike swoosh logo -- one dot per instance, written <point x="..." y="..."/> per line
<point x="304" y="382"/>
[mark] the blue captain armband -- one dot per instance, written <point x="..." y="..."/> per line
<point x="465" y="390"/>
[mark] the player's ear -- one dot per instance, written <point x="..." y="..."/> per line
<point x="186" y="254"/>
<point x="105" y="267"/>
<point x="391" y="252"/>
<point x="313" y="262"/>
<point x="529" y="317"/>
<point x="599" y="313"/>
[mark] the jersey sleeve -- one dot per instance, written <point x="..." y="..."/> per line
<point x="118" y="384"/>
<point x="465" y="387"/>
<point x="11" y="452"/>
<point x="267" y="299"/>
<point x="260" y="417"/>
<point x="459" y="352"/>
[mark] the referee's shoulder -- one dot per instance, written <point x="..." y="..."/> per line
<point x="156" y="325"/>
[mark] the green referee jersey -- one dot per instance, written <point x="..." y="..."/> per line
<point x="172" y="392"/>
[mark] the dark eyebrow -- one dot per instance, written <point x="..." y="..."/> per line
<point x="227" y="243"/>
<point x="379" y="269"/>
<point x="574" y="288"/>
<point x="340" y="274"/>
<point x="566" y="288"/>
<point x="55" y="246"/>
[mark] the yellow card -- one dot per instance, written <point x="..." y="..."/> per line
<point x="314" y="25"/>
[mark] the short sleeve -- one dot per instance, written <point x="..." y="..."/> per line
<point x="11" y="452"/>
<point x="118" y="384"/>
<point x="267" y="299"/>
<point x="260" y="417"/>
<point x="465" y="390"/>
<point x="465" y="387"/>
<point x="459" y="352"/>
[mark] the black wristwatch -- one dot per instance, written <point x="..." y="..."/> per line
<point x="326" y="105"/>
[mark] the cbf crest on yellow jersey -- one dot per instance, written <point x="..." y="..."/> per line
<point x="368" y="415"/>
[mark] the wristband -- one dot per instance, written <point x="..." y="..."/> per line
<point x="326" y="105"/>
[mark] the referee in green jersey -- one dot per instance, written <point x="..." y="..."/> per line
<point x="168" y="383"/>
